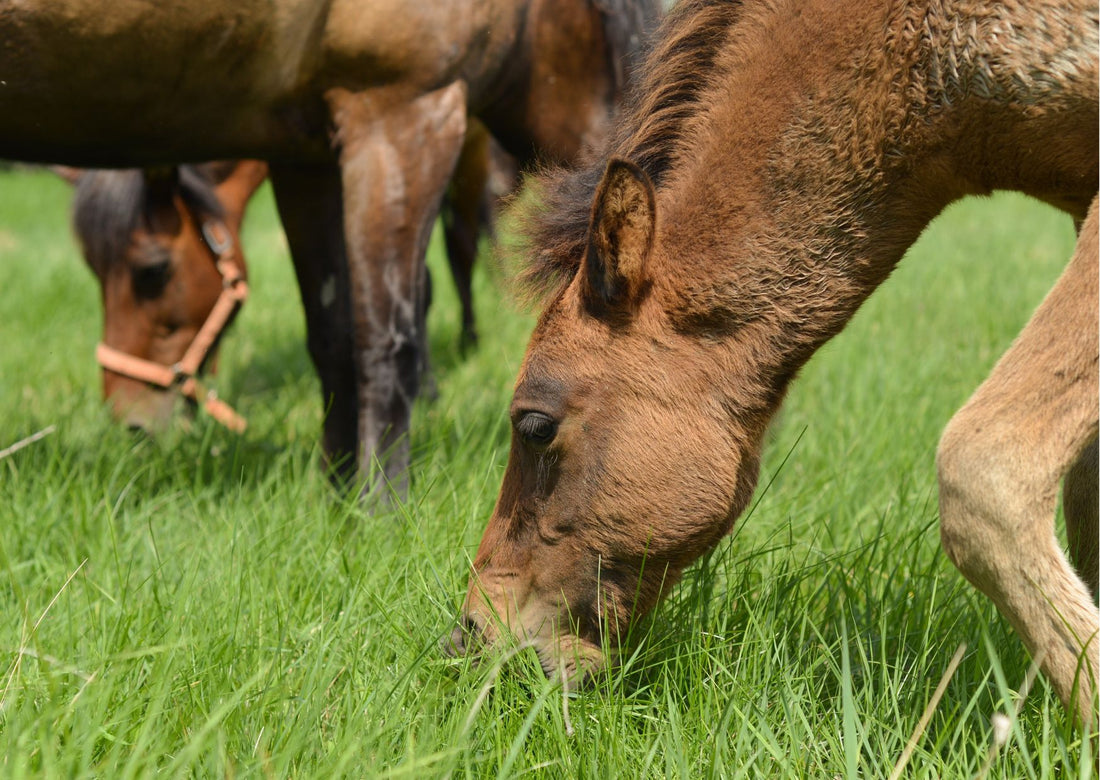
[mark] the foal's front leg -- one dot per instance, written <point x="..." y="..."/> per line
<point x="396" y="156"/>
<point x="1000" y="462"/>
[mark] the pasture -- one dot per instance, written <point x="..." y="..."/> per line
<point x="203" y="604"/>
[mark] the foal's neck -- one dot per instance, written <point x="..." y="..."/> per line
<point x="821" y="155"/>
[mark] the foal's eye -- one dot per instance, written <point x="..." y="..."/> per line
<point x="537" y="429"/>
<point x="149" y="280"/>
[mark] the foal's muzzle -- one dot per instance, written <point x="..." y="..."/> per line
<point x="465" y="639"/>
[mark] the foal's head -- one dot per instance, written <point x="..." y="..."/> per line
<point x="605" y="500"/>
<point x="142" y="235"/>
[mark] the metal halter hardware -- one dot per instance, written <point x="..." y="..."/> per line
<point x="182" y="375"/>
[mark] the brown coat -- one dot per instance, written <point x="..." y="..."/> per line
<point x="774" y="165"/>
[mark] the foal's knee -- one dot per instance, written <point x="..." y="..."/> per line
<point x="986" y="497"/>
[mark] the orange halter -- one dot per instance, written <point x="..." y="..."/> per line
<point x="182" y="375"/>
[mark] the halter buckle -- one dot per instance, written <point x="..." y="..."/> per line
<point x="179" y="375"/>
<point x="217" y="236"/>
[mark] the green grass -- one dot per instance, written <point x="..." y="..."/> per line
<point x="204" y="605"/>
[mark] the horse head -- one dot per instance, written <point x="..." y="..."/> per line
<point x="154" y="239"/>
<point x="603" y="504"/>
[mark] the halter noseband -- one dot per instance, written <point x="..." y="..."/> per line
<point x="182" y="375"/>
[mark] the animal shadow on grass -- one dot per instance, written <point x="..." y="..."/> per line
<point x="784" y="603"/>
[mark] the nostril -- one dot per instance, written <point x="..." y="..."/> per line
<point x="454" y="644"/>
<point x="138" y="428"/>
<point x="462" y="639"/>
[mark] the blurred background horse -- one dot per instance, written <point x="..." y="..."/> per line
<point x="146" y="234"/>
<point x="361" y="112"/>
<point x="164" y="245"/>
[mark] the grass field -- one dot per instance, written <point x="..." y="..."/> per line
<point x="203" y="605"/>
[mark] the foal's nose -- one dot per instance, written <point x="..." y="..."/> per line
<point x="463" y="639"/>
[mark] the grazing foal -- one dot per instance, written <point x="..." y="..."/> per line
<point x="772" y="168"/>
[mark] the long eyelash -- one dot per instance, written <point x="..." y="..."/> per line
<point x="543" y="464"/>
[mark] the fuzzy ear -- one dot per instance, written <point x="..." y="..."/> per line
<point x="235" y="183"/>
<point x="620" y="235"/>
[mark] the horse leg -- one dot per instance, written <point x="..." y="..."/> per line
<point x="1000" y="462"/>
<point x="310" y="205"/>
<point x="396" y="157"/>
<point x="465" y="208"/>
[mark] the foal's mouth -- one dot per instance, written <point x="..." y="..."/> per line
<point x="568" y="659"/>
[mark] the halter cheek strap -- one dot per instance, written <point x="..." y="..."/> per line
<point x="183" y="375"/>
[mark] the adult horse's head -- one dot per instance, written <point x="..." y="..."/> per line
<point x="604" y="501"/>
<point x="154" y="240"/>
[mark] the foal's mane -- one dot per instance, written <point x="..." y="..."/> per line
<point x="110" y="205"/>
<point x="665" y="92"/>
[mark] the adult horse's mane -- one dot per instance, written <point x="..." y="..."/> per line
<point x="109" y="206"/>
<point x="665" y="92"/>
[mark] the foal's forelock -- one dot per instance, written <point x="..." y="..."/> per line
<point x="110" y="205"/>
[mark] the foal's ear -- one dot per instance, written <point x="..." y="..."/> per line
<point x="620" y="235"/>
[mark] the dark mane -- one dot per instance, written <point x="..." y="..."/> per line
<point x="110" y="205"/>
<point x="665" y="92"/>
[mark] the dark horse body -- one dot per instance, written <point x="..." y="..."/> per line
<point x="360" y="109"/>
<point x="774" y="165"/>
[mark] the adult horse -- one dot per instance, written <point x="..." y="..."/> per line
<point x="776" y="162"/>
<point x="164" y="245"/>
<point x="360" y="109"/>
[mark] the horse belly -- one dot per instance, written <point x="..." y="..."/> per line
<point x="129" y="83"/>
<point x="421" y="45"/>
<point x="1037" y="78"/>
<point x="1017" y="83"/>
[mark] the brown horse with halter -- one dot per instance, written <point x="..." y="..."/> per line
<point x="164" y="245"/>
<point x="772" y="168"/>
<point x="360" y="110"/>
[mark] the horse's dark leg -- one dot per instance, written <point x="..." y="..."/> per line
<point x="311" y="207"/>
<point x="396" y="157"/>
<point x="465" y="210"/>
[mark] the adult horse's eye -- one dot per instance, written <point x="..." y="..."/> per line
<point x="149" y="280"/>
<point x="537" y="429"/>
